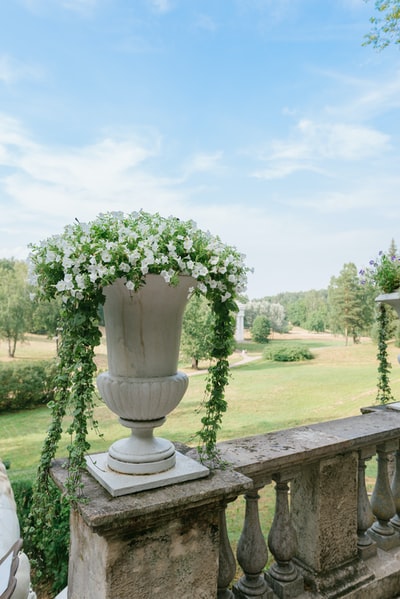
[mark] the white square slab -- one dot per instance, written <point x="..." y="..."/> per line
<point x="123" y="484"/>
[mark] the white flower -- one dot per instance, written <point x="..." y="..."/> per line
<point x="93" y="255"/>
<point x="129" y="285"/>
<point x="106" y="256"/>
<point x="80" y="281"/>
<point x="166" y="276"/>
<point x="124" y="267"/>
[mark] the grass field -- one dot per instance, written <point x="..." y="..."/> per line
<point x="262" y="396"/>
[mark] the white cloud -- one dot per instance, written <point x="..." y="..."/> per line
<point x="161" y="6"/>
<point x="203" y="162"/>
<point x="43" y="188"/>
<point x="313" y="143"/>
<point x="13" y="70"/>
<point x="206" y="22"/>
<point x="82" y="7"/>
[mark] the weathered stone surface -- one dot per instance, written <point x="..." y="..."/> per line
<point x="261" y="455"/>
<point x="324" y="512"/>
<point x="174" y="559"/>
<point x="159" y="544"/>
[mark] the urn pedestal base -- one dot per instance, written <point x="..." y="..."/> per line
<point x="117" y="484"/>
<point x="141" y="453"/>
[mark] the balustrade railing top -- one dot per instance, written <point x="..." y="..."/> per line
<point x="274" y="452"/>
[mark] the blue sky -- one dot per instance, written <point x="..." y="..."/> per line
<point x="265" y="121"/>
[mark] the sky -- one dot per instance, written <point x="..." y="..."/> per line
<point x="265" y="121"/>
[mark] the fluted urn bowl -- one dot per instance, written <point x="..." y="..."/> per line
<point x="142" y="385"/>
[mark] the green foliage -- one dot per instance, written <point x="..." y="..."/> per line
<point x="347" y="303"/>
<point x="272" y="310"/>
<point x="15" y="305"/>
<point x="218" y="377"/>
<point x="397" y="333"/>
<point x="386" y="26"/>
<point x="384" y="272"/>
<point x="46" y="317"/>
<point x="288" y="353"/>
<point x="197" y="327"/>
<point x="384" y="394"/>
<point x="46" y="540"/>
<point x="306" y="309"/>
<point x="261" y="329"/>
<point x="26" y="385"/>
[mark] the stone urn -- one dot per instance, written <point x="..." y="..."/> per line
<point x="142" y="385"/>
<point x="392" y="299"/>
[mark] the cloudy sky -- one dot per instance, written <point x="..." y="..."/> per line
<point x="265" y="121"/>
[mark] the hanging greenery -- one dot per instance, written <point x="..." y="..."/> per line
<point x="383" y="274"/>
<point x="78" y="264"/>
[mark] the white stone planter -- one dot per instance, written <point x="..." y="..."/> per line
<point x="142" y="385"/>
<point x="392" y="299"/>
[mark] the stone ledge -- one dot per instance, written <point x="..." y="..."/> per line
<point x="104" y="513"/>
<point x="291" y="448"/>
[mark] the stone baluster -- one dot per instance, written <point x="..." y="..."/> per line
<point x="365" y="518"/>
<point x="382" y="502"/>
<point x="227" y="561"/>
<point x="252" y="553"/>
<point x="283" y="576"/>
<point x="395" y="521"/>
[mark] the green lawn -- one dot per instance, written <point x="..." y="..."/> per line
<point x="262" y="396"/>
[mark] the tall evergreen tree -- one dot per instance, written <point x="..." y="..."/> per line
<point x="345" y="294"/>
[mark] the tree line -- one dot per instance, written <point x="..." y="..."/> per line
<point x="347" y="307"/>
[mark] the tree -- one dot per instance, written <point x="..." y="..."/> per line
<point x="197" y="327"/>
<point x="273" y="311"/>
<point x="346" y="297"/>
<point x="15" y="304"/>
<point x="386" y="26"/>
<point x="46" y="317"/>
<point x="307" y="309"/>
<point x="261" y="329"/>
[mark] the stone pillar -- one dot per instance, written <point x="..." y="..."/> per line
<point x="324" y="515"/>
<point x="382" y="501"/>
<point x="158" y="544"/>
<point x="239" y="332"/>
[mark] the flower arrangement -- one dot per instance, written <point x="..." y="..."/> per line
<point x="383" y="272"/>
<point x="78" y="264"/>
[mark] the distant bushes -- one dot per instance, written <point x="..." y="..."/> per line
<point x="25" y="386"/>
<point x="288" y="353"/>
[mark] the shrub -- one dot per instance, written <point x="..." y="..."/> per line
<point x="26" y="385"/>
<point x="261" y="329"/>
<point x="288" y="353"/>
<point x="48" y="552"/>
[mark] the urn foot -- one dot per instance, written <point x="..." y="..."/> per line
<point x="141" y="453"/>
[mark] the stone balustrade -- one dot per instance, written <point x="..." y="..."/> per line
<point x="329" y="538"/>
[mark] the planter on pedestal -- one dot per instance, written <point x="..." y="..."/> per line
<point x="392" y="299"/>
<point x="142" y="385"/>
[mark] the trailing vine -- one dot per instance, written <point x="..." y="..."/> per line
<point x="384" y="394"/>
<point x="218" y="378"/>
<point x="383" y="274"/>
